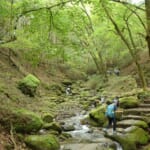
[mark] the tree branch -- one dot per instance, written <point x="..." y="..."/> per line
<point x="46" y="7"/>
<point x="140" y="19"/>
<point x="127" y="3"/>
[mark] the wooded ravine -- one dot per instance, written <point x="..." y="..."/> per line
<point x="62" y="62"/>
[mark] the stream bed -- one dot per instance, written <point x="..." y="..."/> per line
<point x="86" y="137"/>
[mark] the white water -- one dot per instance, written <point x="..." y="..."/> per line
<point x="83" y="132"/>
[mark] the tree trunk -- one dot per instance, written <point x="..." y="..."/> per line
<point x="147" y="6"/>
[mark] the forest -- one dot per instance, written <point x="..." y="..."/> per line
<point x="63" y="63"/>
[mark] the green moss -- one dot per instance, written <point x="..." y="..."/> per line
<point x="138" y="136"/>
<point x="129" y="102"/>
<point x="141" y="124"/>
<point x="144" y="95"/>
<point x="125" y="142"/>
<point x="42" y="142"/>
<point x="31" y="80"/>
<point x="47" y="117"/>
<point x="52" y="126"/>
<point x="98" y="115"/>
<point x="28" y="121"/>
<point x="21" y="119"/>
<point x="2" y="87"/>
<point x="29" y="84"/>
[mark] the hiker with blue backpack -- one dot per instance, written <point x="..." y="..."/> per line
<point x="110" y="113"/>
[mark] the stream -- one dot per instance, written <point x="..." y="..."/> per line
<point x="87" y="138"/>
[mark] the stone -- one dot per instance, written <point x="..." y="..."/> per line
<point x="42" y="142"/>
<point x="47" y="117"/>
<point x="132" y="122"/>
<point x="22" y="120"/>
<point x="98" y="115"/>
<point x="29" y="84"/>
<point x="52" y="126"/>
<point x="129" y="102"/>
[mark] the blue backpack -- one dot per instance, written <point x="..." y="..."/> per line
<point x="110" y="111"/>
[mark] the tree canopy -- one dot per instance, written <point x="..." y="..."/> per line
<point x="107" y="32"/>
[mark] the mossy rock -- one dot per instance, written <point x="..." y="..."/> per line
<point x="129" y="102"/>
<point x="131" y="140"/>
<point x="42" y="142"/>
<point x="29" y="84"/>
<point x="22" y="120"/>
<point x="65" y="136"/>
<point x="53" y="126"/>
<point x="138" y="136"/>
<point x="90" y="121"/>
<point x="126" y="144"/>
<point x="142" y="124"/>
<point x="98" y="115"/>
<point x="47" y="117"/>
<point x="144" y="95"/>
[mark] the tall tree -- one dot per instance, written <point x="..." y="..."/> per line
<point x="130" y="44"/>
<point x="147" y="6"/>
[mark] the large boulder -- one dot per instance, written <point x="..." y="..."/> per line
<point x="124" y="142"/>
<point x="132" y="139"/>
<point x="29" y="84"/>
<point x="129" y="102"/>
<point x="22" y="120"/>
<point x="98" y="115"/>
<point x="42" y="142"/>
<point x="138" y="136"/>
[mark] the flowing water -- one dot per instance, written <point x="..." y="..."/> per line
<point x="87" y="138"/>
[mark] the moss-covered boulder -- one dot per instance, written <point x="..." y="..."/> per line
<point x="138" y="136"/>
<point x="131" y="140"/>
<point x="129" y="102"/>
<point x="124" y="142"/>
<point x="53" y="126"/>
<point x="29" y="84"/>
<point x="42" y="142"/>
<point x="22" y="120"/>
<point x="47" y="117"/>
<point x="98" y="115"/>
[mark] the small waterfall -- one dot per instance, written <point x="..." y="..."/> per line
<point x="85" y="133"/>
